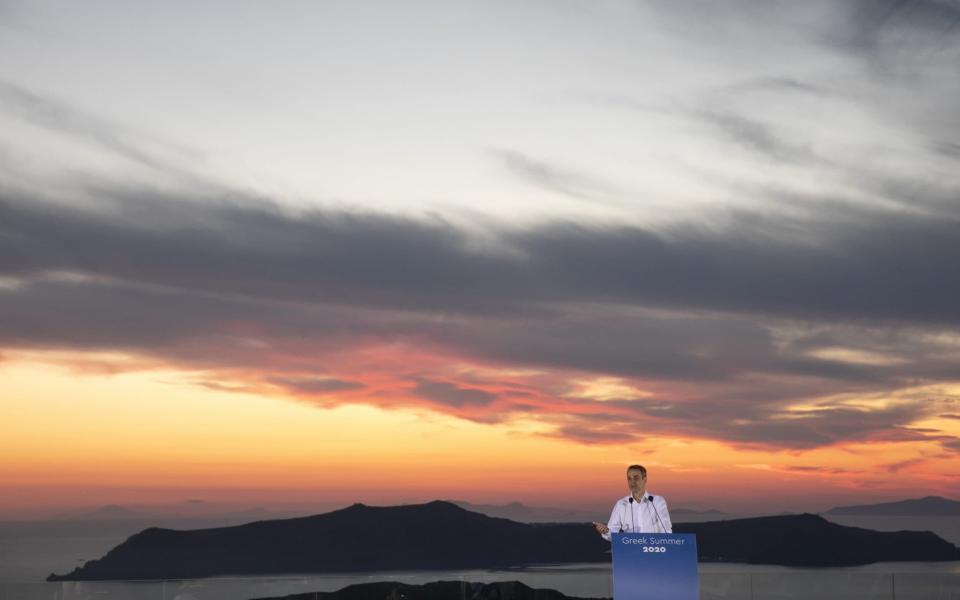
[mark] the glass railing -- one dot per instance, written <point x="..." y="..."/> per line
<point x="583" y="581"/>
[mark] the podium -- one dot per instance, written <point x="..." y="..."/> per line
<point x="655" y="566"/>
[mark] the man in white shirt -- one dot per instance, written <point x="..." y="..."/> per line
<point x="640" y="512"/>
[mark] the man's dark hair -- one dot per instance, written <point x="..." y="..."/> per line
<point x="641" y="468"/>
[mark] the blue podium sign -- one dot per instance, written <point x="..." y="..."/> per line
<point x="655" y="566"/>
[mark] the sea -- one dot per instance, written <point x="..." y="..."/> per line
<point x="30" y="552"/>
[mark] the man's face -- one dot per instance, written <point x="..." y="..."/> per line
<point x="637" y="482"/>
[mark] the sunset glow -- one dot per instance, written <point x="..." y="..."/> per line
<point x="115" y="429"/>
<point x="489" y="252"/>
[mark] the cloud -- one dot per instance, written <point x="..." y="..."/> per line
<point x="882" y="266"/>
<point x="905" y="464"/>
<point x="63" y="118"/>
<point x="759" y="137"/>
<point x="450" y="394"/>
<point x="769" y="425"/>
<point x="315" y="385"/>
<point x="818" y="309"/>
<point x="875" y="23"/>
<point x="781" y="84"/>
<point x="819" y="470"/>
<point x="11" y="11"/>
<point x="564" y="181"/>
<point x="585" y="435"/>
<point x="951" y="149"/>
<point x="726" y="328"/>
<point x="747" y="325"/>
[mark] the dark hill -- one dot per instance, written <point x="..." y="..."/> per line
<point x="438" y="535"/>
<point x="441" y="535"/>
<point x="516" y="511"/>
<point x="930" y="506"/>
<point x="811" y="541"/>
<point x="439" y="590"/>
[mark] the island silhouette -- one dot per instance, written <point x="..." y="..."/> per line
<point x="928" y="506"/>
<point x="441" y="535"/>
<point x="438" y="590"/>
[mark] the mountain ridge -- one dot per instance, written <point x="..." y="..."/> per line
<point x="927" y="506"/>
<point x="442" y="535"/>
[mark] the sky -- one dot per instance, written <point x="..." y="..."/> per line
<point x="322" y="253"/>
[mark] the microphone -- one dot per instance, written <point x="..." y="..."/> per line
<point x="633" y="525"/>
<point x="657" y="512"/>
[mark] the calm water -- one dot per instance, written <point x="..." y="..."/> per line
<point x="891" y="581"/>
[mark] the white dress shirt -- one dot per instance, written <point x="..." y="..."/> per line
<point x="639" y="517"/>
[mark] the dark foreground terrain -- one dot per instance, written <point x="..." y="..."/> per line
<point x="812" y="541"/>
<point x="439" y="590"/>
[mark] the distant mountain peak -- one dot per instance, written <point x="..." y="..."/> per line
<point x="524" y="513"/>
<point x="433" y="504"/>
<point x="442" y="503"/>
<point x="108" y="512"/>
<point x="928" y="506"/>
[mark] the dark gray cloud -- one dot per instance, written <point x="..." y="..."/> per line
<point x="816" y="428"/>
<point x="880" y="270"/>
<point x="257" y="251"/>
<point x="450" y="394"/>
<point x="83" y="309"/>
<point x="305" y="385"/>
<point x="753" y="424"/>
<point x="607" y="339"/>
<point x="618" y="342"/>
<point x="867" y="27"/>
<point x="873" y="269"/>
<point x="951" y="149"/>
<point x="874" y="23"/>
<point x="10" y="12"/>
<point x="701" y="309"/>
<point x="98" y="314"/>
<point x="766" y="424"/>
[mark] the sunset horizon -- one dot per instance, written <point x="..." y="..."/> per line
<point x="320" y="254"/>
<point x="102" y="469"/>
